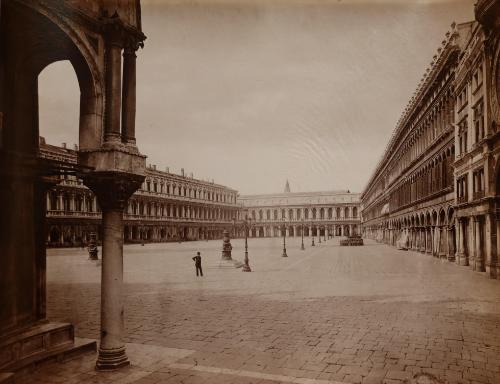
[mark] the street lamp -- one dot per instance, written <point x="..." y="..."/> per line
<point x="246" y="224"/>
<point x="234" y="228"/>
<point x="284" y="237"/>
<point x="319" y="235"/>
<point x="324" y="234"/>
<point x="302" y="233"/>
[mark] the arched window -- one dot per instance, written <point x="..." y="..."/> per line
<point x="355" y="212"/>
<point x="268" y="214"/>
<point x="290" y="214"/>
<point x="260" y="215"/>
<point x="322" y="213"/>
<point x="337" y="213"/>
<point x="346" y="212"/>
<point x="306" y="213"/>
<point x="314" y="213"/>
<point x="330" y="213"/>
<point x="275" y="214"/>
<point x="298" y="214"/>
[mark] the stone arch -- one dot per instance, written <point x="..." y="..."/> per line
<point x="55" y="39"/>
<point x="442" y="217"/>
<point x="54" y="234"/>
<point x="434" y="218"/>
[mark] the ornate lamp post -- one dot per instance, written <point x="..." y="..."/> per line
<point x="246" y="224"/>
<point x="319" y="235"/>
<point x="284" y="237"/>
<point x="324" y="235"/>
<point x="302" y="233"/>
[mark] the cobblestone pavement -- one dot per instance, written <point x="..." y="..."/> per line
<point x="328" y="314"/>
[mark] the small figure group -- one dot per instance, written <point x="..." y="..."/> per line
<point x="197" y="264"/>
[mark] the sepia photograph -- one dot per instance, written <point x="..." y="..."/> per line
<point x="249" y="191"/>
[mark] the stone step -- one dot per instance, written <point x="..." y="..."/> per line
<point x="41" y="342"/>
<point x="7" y="378"/>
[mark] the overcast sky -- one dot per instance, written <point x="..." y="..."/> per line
<point x="251" y="93"/>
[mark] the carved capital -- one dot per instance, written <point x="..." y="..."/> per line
<point x="113" y="189"/>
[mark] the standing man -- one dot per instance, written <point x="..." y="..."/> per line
<point x="197" y="264"/>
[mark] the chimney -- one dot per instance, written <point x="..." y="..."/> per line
<point x="75" y="147"/>
<point x="154" y="167"/>
<point x="167" y="170"/>
<point x="64" y="145"/>
<point x="191" y="175"/>
<point x="182" y="172"/>
<point x="42" y="140"/>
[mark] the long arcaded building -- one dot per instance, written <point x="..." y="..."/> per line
<point x="166" y="207"/>
<point x="331" y="213"/>
<point x="435" y="189"/>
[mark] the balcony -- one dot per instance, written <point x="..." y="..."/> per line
<point x="75" y="214"/>
<point x="462" y="199"/>
<point x="478" y="195"/>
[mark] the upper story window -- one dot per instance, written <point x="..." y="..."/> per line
<point x="462" y="98"/>
<point x="479" y="120"/>
<point x="477" y="78"/>
<point x="148" y="186"/>
<point x="268" y="214"/>
<point x="478" y="183"/>
<point x="462" y="136"/>
<point x="462" y="189"/>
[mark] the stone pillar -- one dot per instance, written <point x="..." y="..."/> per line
<point x="462" y="256"/>
<point x="60" y="206"/>
<point x="479" y="257"/>
<point x="113" y="190"/>
<point x="451" y="245"/>
<point x="113" y="84"/>
<point x="441" y="245"/>
<point x="491" y="245"/>
<point x="129" y="95"/>
<point x="428" y="244"/>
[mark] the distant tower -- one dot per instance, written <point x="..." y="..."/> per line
<point x="287" y="187"/>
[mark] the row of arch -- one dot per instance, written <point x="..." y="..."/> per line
<point x="160" y="209"/>
<point x="304" y="213"/>
<point x="178" y="189"/>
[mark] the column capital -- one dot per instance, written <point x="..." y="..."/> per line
<point x="113" y="189"/>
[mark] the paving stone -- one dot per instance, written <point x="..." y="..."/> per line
<point x="357" y="314"/>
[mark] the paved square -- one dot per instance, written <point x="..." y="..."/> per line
<point x="369" y="314"/>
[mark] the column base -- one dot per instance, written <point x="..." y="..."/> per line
<point x="111" y="359"/>
<point x="462" y="260"/>
<point x="479" y="265"/>
<point x="451" y="258"/>
<point x="491" y="270"/>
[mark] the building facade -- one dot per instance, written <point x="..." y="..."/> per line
<point x="167" y="207"/>
<point x="435" y="189"/>
<point x="325" y="214"/>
